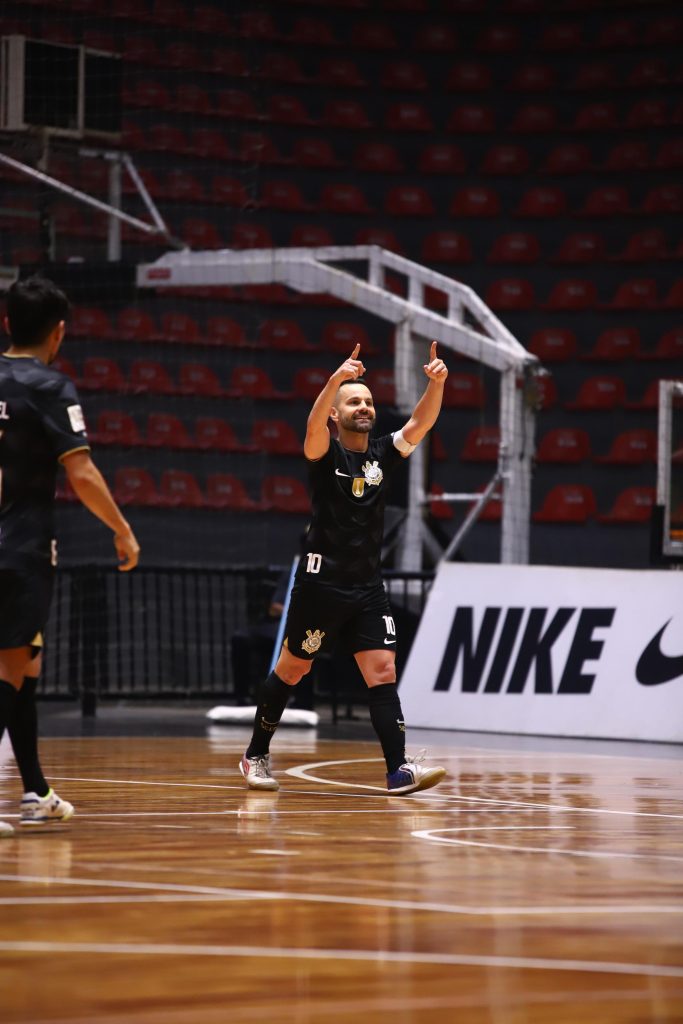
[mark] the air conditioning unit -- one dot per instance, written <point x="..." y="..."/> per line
<point x="66" y="90"/>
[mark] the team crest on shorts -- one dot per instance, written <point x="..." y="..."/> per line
<point x="313" y="641"/>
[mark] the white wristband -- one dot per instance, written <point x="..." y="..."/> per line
<point x="403" y="446"/>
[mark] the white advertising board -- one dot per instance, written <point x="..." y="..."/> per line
<point x="549" y="651"/>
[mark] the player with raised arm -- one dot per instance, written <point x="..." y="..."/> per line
<point x="41" y="425"/>
<point x="338" y="592"/>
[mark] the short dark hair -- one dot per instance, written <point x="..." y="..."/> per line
<point x="356" y="380"/>
<point x="34" y="308"/>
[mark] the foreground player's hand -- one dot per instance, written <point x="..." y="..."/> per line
<point x="435" y="369"/>
<point x="351" y="369"/>
<point x="127" y="549"/>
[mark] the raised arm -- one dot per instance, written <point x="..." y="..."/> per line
<point x="317" y="432"/>
<point x="426" y="411"/>
<point x="92" y="490"/>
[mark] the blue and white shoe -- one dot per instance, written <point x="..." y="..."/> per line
<point x="411" y="777"/>
<point x="39" y="810"/>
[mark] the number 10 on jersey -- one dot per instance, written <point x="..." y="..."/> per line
<point x="314" y="562"/>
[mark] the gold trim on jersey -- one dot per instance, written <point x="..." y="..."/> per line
<point x="358" y="486"/>
<point x="81" y="448"/>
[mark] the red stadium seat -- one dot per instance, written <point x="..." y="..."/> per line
<point x="506" y="159"/>
<point x="628" y="156"/>
<point x="403" y="76"/>
<point x="344" y="198"/>
<point x="377" y="157"/>
<point x="469" y="76"/>
<point x="276" y="437"/>
<point x="147" y="93"/>
<point x="475" y="201"/>
<point x="562" y="36"/>
<point x="285" y="494"/>
<point x="179" y="489"/>
<point x="150" y="377"/>
<point x="373" y="35"/>
<point x="554" y="344"/>
<point x="669" y="346"/>
<point x="226" y="492"/>
<point x="435" y="38"/>
<point x="183" y="56"/>
<point x="309" y="152"/>
<point x="645" y="246"/>
<point x="257" y="24"/>
<point x="472" y="119"/>
<point x="534" y="119"/>
<point x="463" y="391"/>
<point x="133" y="486"/>
<point x="606" y="201"/>
<point x="670" y="155"/>
<point x="624" y="32"/>
<point x="197" y="379"/>
<point x="648" y="113"/>
<point x="251" y="236"/>
<point x="572" y="294"/>
<point x="166" y="431"/>
<point x="230" y="192"/>
<point x="379" y="236"/>
<point x="648" y="73"/>
<point x="446" y="247"/>
<point x="252" y="382"/>
<point x="281" y="67"/>
<point x="346" y="113"/>
<point x="284" y="335"/>
<point x="169" y="12"/>
<point x="500" y="38"/>
<point x="441" y="158"/>
<point x="342" y="336"/>
<point x="230" y="63"/>
<point x="542" y="201"/>
<point x="567" y="503"/>
<point x="100" y="374"/>
<point x="283" y="195"/>
<point x="141" y="50"/>
<point x="581" y="247"/>
<point x="598" y="394"/>
<point x="595" y="78"/>
<point x="340" y="73"/>
<point x="383" y="386"/>
<point x="201" y="234"/>
<point x="180" y="327"/>
<point x="288" y="110"/>
<point x="222" y="330"/>
<point x="211" y="20"/>
<point x="615" y="344"/>
<point x="663" y="199"/>
<point x="481" y="445"/>
<point x="258" y="148"/>
<point x="568" y="158"/>
<point x="638" y="293"/>
<point x="408" y="117"/>
<point x="89" y="322"/>
<point x="217" y="435"/>
<point x="210" y="144"/>
<point x="632" y="506"/>
<point x="564" y="445"/>
<point x="308" y="382"/>
<point x="631" y="448"/>
<point x="408" y="201"/>
<point x="192" y="99"/>
<point x="116" y="428"/>
<point x="438" y="451"/>
<point x="311" y="236"/>
<point x="510" y="293"/>
<point x="533" y="78"/>
<point x="516" y="247"/>
<point x="439" y="509"/>
<point x="136" y="325"/>
<point x="667" y="29"/>
<point x="674" y="298"/>
<point x="649" y="400"/>
<point x="236" y="105"/>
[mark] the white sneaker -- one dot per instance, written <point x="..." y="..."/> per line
<point x="39" y="810"/>
<point x="256" y="772"/>
<point x="6" y="830"/>
<point x="412" y="776"/>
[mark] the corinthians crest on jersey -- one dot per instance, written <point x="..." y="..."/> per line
<point x="372" y="475"/>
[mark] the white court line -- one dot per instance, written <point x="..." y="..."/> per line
<point x="302" y="772"/>
<point x="380" y="956"/>
<point x="429" y="835"/>
<point x="360" y="901"/>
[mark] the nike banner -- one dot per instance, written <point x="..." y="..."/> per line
<point x="549" y="651"/>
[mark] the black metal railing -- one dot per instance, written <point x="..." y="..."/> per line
<point x="166" y="632"/>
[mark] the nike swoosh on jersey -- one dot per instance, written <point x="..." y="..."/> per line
<point x="337" y="473"/>
<point x="655" y="667"/>
<point x="389" y="641"/>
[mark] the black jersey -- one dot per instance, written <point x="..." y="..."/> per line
<point x="348" y="495"/>
<point x="40" y="422"/>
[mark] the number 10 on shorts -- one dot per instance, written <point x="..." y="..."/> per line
<point x="314" y="562"/>
<point x="389" y="625"/>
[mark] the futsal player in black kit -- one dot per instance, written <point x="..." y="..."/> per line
<point x="41" y="425"/>
<point x="338" y="594"/>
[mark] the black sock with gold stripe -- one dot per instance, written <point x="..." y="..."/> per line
<point x="272" y="699"/>
<point x="387" y="719"/>
<point x="23" y="732"/>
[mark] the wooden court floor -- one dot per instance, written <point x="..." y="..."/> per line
<point x="532" y="886"/>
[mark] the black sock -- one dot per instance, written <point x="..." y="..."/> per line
<point x="272" y="699"/>
<point x="23" y="732"/>
<point x="8" y="696"/>
<point x="387" y="720"/>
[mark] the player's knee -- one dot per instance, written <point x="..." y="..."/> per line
<point x="293" y="673"/>
<point x="383" y="671"/>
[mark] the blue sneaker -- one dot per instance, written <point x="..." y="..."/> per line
<point x="412" y="776"/>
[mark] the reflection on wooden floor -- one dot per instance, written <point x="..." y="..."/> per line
<point x="530" y="887"/>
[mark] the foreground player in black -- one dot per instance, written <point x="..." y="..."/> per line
<point x="41" y="425"/>
<point x="338" y="592"/>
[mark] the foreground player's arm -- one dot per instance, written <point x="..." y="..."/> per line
<point x="426" y="411"/>
<point x="92" y="490"/>
<point x="317" y="432"/>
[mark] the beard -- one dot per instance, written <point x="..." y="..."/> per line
<point x="357" y="424"/>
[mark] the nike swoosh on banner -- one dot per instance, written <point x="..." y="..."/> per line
<point x="655" y="667"/>
<point x="389" y="641"/>
<point x="337" y="473"/>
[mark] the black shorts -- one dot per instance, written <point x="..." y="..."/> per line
<point x="322" y="616"/>
<point x="24" y="607"/>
